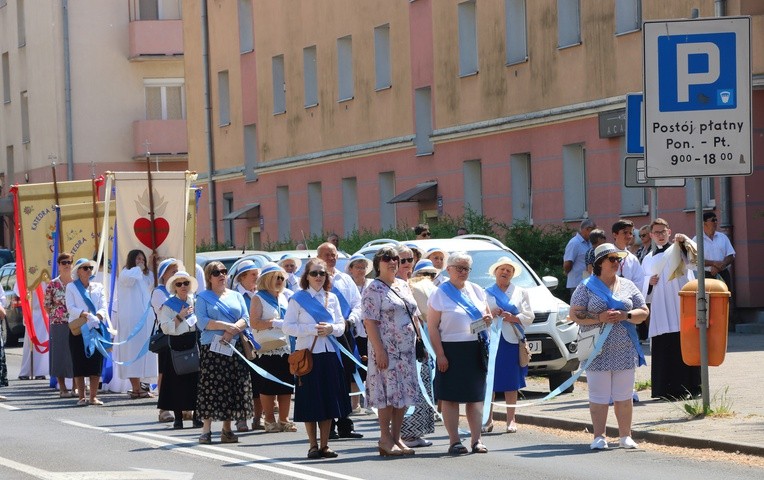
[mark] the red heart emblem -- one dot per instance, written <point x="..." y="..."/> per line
<point x="142" y="228"/>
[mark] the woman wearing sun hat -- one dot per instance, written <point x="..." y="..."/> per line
<point x="267" y="314"/>
<point x="291" y="265"/>
<point x="86" y="300"/>
<point x="358" y="267"/>
<point x="166" y="269"/>
<point x="178" y="321"/>
<point x="438" y="257"/>
<point x="605" y="298"/>
<point x="510" y="303"/>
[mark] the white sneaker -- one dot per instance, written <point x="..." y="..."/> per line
<point x="600" y="443"/>
<point x="417" y="442"/>
<point x="627" y="442"/>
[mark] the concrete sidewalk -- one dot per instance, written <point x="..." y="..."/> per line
<point x="736" y="383"/>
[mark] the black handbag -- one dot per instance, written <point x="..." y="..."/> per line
<point x="185" y="361"/>
<point x="158" y="342"/>
<point x="483" y="351"/>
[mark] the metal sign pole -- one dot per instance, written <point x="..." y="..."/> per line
<point x="702" y="312"/>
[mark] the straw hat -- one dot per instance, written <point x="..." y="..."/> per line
<point x="180" y="275"/>
<point x="606" y="249"/>
<point x="505" y="261"/>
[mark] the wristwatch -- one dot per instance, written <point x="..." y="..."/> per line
<point x="628" y="315"/>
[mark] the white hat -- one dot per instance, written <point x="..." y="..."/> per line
<point x="238" y="268"/>
<point x="424" y="266"/>
<point x="358" y="258"/>
<point x="505" y="261"/>
<point x="287" y="256"/>
<point x="437" y="249"/>
<point x="83" y="262"/>
<point x="606" y="249"/>
<point x="165" y="264"/>
<point x="271" y="267"/>
<point x="415" y="248"/>
<point x="178" y="276"/>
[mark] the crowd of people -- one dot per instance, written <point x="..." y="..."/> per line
<point x="404" y="335"/>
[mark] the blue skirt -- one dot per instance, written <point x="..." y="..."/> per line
<point x="464" y="381"/>
<point x="508" y="376"/>
<point x="323" y="393"/>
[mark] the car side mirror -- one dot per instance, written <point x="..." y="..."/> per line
<point x="550" y="282"/>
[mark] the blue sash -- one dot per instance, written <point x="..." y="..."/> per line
<point x="600" y="290"/>
<point x="460" y="299"/>
<point x="210" y="297"/>
<point x="85" y="295"/>
<point x="272" y="301"/>
<point x="175" y="304"/>
<point x="344" y="305"/>
<point x="502" y="300"/>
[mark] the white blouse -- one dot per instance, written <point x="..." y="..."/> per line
<point x="454" y="320"/>
<point x="299" y="323"/>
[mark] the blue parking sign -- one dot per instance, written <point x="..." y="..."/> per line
<point x="697" y="72"/>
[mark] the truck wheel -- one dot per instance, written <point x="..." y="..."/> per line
<point x="557" y="379"/>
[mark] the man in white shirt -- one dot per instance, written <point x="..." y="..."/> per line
<point x="350" y="305"/>
<point x="717" y="250"/>
<point x="623" y="235"/>
<point x="574" y="259"/>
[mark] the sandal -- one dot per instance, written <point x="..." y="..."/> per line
<point x="82" y="402"/>
<point x="512" y="428"/>
<point x="165" y="416"/>
<point x="327" y="452"/>
<point x="65" y="395"/>
<point x="478" y="447"/>
<point x="272" y="427"/>
<point x="287" y="426"/>
<point x="205" y="438"/>
<point x="228" y="437"/>
<point x="95" y="401"/>
<point x="139" y="394"/>
<point x="487" y="428"/>
<point x="314" y="453"/>
<point x="241" y="426"/>
<point x="457" y="449"/>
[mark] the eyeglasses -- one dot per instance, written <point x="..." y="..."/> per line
<point x="660" y="232"/>
<point x="182" y="284"/>
<point x="643" y="235"/>
<point x="317" y="273"/>
<point x="65" y="262"/>
<point x="217" y="273"/>
<point x="87" y="267"/>
<point x="390" y="258"/>
<point x="615" y="259"/>
<point x="426" y="234"/>
<point x="406" y="260"/>
<point x="712" y="220"/>
<point x="279" y="278"/>
<point x="461" y="269"/>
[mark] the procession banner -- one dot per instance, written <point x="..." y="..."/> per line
<point x="76" y="230"/>
<point x="167" y="234"/>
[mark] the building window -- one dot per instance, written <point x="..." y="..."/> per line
<point x="473" y="186"/>
<point x="468" y="52"/>
<point x="10" y="169"/>
<point x="279" y="85"/>
<point x="345" y="68"/>
<point x="574" y="181"/>
<point x="349" y="205"/>
<point x="6" y="78"/>
<point x="568" y="23"/>
<point x="315" y="209"/>
<point x="224" y="99"/>
<point x="423" y="120"/>
<point x="283" y="213"/>
<point x="148" y="9"/>
<point x="246" y="27"/>
<point x="228" y="234"/>
<point x="25" y="117"/>
<point x="164" y="99"/>
<point x="633" y="200"/>
<point x="707" y="187"/>
<point x="522" y="206"/>
<point x="516" y="37"/>
<point x="310" y="72"/>
<point x="628" y="16"/>
<point x="250" y="152"/>
<point x="386" y="192"/>
<point x="21" y="23"/>
<point x="382" y="56"/>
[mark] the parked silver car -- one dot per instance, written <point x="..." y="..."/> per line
<point x="552" y="336"/>
<point x="13" y="325"/>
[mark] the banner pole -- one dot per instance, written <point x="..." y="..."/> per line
<point x="151" y="218"/>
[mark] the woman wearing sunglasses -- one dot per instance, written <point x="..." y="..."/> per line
<point x="313" y="317"/>
<point x="605" y="298"/>
<point x="266" y="315"/>
<point x="167" y="268"/>
<point x="86" y="300"/>
<point x="55" y="304"/>
<point x="177" y="320"/>
<point x="222" y="316"/>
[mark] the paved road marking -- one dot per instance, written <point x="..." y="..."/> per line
<point x="8" y="407"/>
<point x="142" y="473"/>
<point x="85" y="425"/>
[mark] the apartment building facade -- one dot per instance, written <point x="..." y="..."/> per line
<point x="340" y="115"/>
<point x="90" y="86"/>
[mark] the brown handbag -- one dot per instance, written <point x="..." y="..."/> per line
<point x="76" y="325"/>
<point x="523" y="348"/>
<point x="301" y="361"/>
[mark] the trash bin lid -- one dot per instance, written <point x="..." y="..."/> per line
<point x="713" y="288"/>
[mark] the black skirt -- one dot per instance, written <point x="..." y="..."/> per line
<point x="82" y="366"/>
<point x="178" y="392"/>
<point x="670" y="377"/>
<point x="464" y="381"/>
<point x="322" y="394"/>
<point x="278" y="366"/>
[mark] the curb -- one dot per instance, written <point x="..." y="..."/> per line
<point x="652" y="437"/>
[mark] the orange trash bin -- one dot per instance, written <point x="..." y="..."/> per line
<point x="718" y="320"/>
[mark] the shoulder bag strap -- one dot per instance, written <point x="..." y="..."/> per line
<point x="405" y="305"/>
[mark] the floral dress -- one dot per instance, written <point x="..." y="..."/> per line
<point x="396" y="386"/>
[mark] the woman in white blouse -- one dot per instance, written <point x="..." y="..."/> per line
<point x="313" y="316"/>
<point x="87" y="301"/>
<point x="503" y="298"/>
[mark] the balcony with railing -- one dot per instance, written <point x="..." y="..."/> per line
<point x="160" y="137"/>
<point x="155" y="39"/>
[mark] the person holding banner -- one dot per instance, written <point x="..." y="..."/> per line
<point x="457" y="311"/>
<point x="87" y="305"/>
<point x="315" y="319"/>
<point x="266" y="316"/>
<point x="601" y="299"/>
<point x="389" y="311"/>
<point x="134" y="285"/>
<point x="177" y="320"/>
<point x="225" y="389"/>
<point x="166" y="269"/>
<point x="509" y="304"/>
<point x="31" y="356"/>
<point x="55" y="304"/>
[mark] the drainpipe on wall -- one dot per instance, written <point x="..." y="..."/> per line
<point x="67" y="92"/>
<point x="725" y="215"/>
<point x="208" y="123"/>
